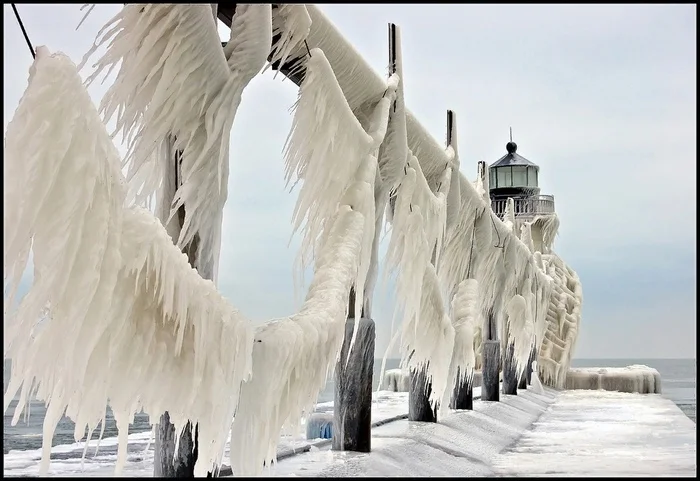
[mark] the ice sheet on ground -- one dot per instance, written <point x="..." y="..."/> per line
<point x="66" y="459"/>
<point x="603" y="433"/>
<point x="462" y="444"/>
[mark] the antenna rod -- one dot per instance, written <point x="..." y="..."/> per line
<point x="511" y="134"/>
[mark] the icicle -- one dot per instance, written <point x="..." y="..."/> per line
<point x="465" y="319"/>
<point x="292" y="356"/>
<point x="171" y="59"/>
<point x="325" y="148"/>
<point x="292" y="24"/>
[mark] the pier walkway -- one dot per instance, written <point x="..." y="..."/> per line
<point x="568" y="433"/>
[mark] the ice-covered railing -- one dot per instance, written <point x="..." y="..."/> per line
<point x="336" y="159"/>
<point x="360" y="83"/>
<point x="146" y="295"/>
<point x="129" y="318"/>
<point x="563" y="318"/>
<point x="480" y="263"/>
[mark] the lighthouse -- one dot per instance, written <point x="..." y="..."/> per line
<point x="514" y="176"/>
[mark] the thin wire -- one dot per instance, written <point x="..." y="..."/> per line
<point x="21" y="25"/>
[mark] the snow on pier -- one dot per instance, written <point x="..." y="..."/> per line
<point x="568" y="433"/>
<point x="605" y="433"/>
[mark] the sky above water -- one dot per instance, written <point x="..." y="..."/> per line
<point x="602" y="97"/>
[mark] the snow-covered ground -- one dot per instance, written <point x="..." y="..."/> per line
<point x="66" y="459"/>
<point x="580" y="433"/>
<point x="571" y="433"/>
<point x="605" y="433"/>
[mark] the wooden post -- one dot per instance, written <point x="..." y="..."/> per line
<point x="491" y="358"/>
<point x="352" y="408"/>
<point x="463" y="394"/>
<point x="167" y="463"/>
<point x="419" y="408"/>
<point x="522" y="381"/>
<point x="510" y="378"/>
<point x="526" y="376"/>
<point x="352" y="413"/>
<point x="528" y="370"/>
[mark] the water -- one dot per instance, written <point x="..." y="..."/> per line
<point x="678" y="378"/>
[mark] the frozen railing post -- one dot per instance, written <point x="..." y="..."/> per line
<point x="352" y="408"/>
<point x="420" y="387"/>
<point x="167" y="463"/>
<point x="522" y="381"/>
<point x="352" y="413"/>
<point x="419" y="408"/>
<point x="462" y="392"/>
<point x="491" y="359"/>
<point x="510" y="375"/>
<point x="491" y="347"/>
<point x="528" y="369"/>
<point x="526" y="376"/>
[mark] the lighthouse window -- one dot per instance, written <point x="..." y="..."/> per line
<point x="519" y="176"/>
<point x="504" y="177"/>
<point x="492" y="178"/>
<point x="531" y="177"/>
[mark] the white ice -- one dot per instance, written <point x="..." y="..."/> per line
<point x="66" y="458"/>
<point x="603" y="433"/>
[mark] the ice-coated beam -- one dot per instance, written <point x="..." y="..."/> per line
<point x="357" y="79"/>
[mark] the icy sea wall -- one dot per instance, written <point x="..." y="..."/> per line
<point x="634" y="379"/>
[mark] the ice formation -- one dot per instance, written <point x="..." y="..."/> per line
<point x="176" y="82"/>
<point x="563" y="317"/>
<point x="337" y="202"/>
<point x="465" y="319"/>
<point x="293" y="356"/>
<point x="395" y="380"/>
<point x="417" y="235"/>
<point x="290" y="26"/>
<point x="353" y="145"/>
<point x="113" y="281"/>
<point x="635" y="378"/>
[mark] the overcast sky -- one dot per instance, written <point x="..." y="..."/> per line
<point x="601" y="97"/>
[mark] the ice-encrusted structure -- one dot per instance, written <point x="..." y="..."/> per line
<point x="300" y="351"/>
<point x="395" y="380"/>
<point x="563" y="318"/>
<point x="353" y="146"/>
<point x="111" y="279"/>
<point x="636" y="378"/>
<point x="176" y="84"/>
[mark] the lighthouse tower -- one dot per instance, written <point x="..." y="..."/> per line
<point x="514" y="176"/>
